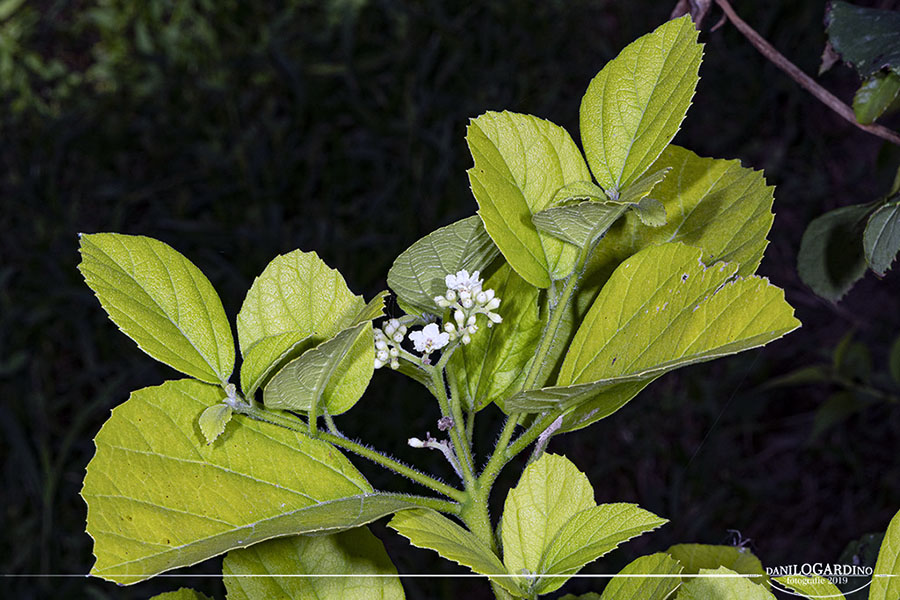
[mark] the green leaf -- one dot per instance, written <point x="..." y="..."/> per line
<point x="269" y="355"/>
<point x="811" y="587"/>
<point x="875" y="96"/>
<point x="182" y="594"/>
<point x="426" y="528"/>
<point x="831" y="257"/>
<point x="867" y="38"/>
<point x="181" y="501"/>
<point x="213" y="420"/>
<point x="355" y="553"/>
<point x="374" y="309"/>
<point x="839" y="407"/>
<point x="162" y="301"/>
<point x="494" y="364"/>
<point x="642" y="186"/>
<point x="550" y="492"/>
<point x="688" y="312"/>
<point x="696" y="557"/>
<point x="651" y="212"/>
<point x="885" y="582"/>
<point x="333" y="375"/>
<point x="520" y="163"/>
<point x="881" y="239"/>
<point x="578" y="190"/>
<point x="580" y="224"/>
<point x="716" y="205"/>
<point x="590" y="534"/>
<point x="635" y="105"/>
<point x="297" y="292"/>
<point x="417" y="276"/>
<point x="724" y="584"/>
<point x="630" y="587"/>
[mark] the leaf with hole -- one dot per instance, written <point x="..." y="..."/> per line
<point x="520" y="163"/>
<point x="162" y="301"/>
<point x="253" y="573"/>
<point x="417" y="276"/>
<point x="635" y="105"/>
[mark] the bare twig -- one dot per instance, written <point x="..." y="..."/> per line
<point x="826" y="97"/>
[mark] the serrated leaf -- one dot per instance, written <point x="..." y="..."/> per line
<point x="867" y="38"/>
<point x="417" y="276"/>
<point x="627" y="586"/>
<point x="695" y="557"/>
<point x="270" y="354"/>
<point x="426" y="528"/>
<point x="494" y="364"/>
<point x="550" y="492"/>
<point x="162" y="301"/>
<point x="180" y="501"/>
<point x="724" y="584"/>
<point x="331" y="376"/>
<point x="374" y="309"/>
<point x="635" y="105"/>
<point x="181" y="594"/>
<point x="831" y="257"/>
<point x="811" y="587"/>
<point x="580" y="224"/>
<point x="713" y="204"/>
<point x="297" y="292"/>
<point x="213" y="420"/>
<point x="355" y="553"/>
<point x="875" y="96"/>
<point x="651" y="212"/>
<point x="579" y="190"/>
<point x="643" y="186"/>
<point x="520" y="163"/>
<point x="881" y="239"/>
<point x="885" y="580"/>
<point x="590" y="534"/>
<point x="688" y="312"/>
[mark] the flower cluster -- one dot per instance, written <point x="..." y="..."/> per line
<point x="468" y="300"/>
<point x="387" y="344"/>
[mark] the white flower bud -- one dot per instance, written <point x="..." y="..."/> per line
<point x="466" y="338"/>
<point x="382" y="355"/>
<point x="465" y="295"/>
<point x="394" y="323"/>
<point x="415" y="442"/>
<point x="388" y="330"/>
<point x="398" y="337"/>
<point x="481" y="298"/>
<point x="459" y="317"/>
<point x="380" y="345"/>
<point x="449" y="327"/>
<point x="394" y="352"/>
<point x="378" y="364"/>
<point x="450" y="296"/>
<point x="471" y="320"/>
<point x="494" y="304"/>
<point x="395" y="364"/>
<point x="441" y="301"/>
<point x="489" y="294"/>
<point x="494" y="317"/>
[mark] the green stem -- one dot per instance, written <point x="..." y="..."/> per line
<point x="531" y="434"/>
<point x="329" y="422"/>
<point x="498" y="458"/>
<point x="470" y="426"/>
<point x="373" y="455"/>
<point x="395" y="465"/>
<point x="451" y="409"/>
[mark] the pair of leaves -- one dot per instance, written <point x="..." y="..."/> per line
<point x="660" y="310"/>
<point x="629" y="114"/>
<point x="838" y="246"/>
<point x="182" y="501"/>
<point x="551" y="525"/>
<point x="306" y="337"/>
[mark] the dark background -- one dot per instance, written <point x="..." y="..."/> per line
<point x="235" y="131"/>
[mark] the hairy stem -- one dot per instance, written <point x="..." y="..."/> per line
<point x="805" y="81"/>
<point x="450" y="408"/>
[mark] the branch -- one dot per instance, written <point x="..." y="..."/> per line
<point x="805" y="81"/>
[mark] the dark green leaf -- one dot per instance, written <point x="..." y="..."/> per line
<point x="875" y="96"/>
<point x="867" y="38"/>
<point x="831" y="257"/>
<point x="881" y="239"/>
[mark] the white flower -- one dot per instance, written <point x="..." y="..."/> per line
<point x="429" y="339"/>
<point x="463" y="282"/>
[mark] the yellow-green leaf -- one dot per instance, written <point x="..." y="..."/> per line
<point x="520" y="163"/>
<point x="253" y="573"/>
<point x="331" y="376"/>
<point x="713" y="204"/>
<point x="160" y="498"/>
<point x="636" y="103"/>
<point x="297" y="292"/>
<point x="181" y="594"/>
<point x="706" y="556"/>
<point x="213" y="420"/>
<point x="425" y="528"/>
<point x="885" y="580"/>
<point x="628" y="586"/>
<point x="162" y="301"/>
<point x="270" y="354"/>
<point x="722" y="584"/>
